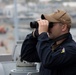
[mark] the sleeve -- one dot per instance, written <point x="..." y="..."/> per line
<point x="63" y="56"/>
<point x="28" y="50"/>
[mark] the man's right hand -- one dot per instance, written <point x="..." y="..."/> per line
<point x="35" y="33"/>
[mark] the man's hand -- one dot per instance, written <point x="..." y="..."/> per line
<point x="35" y="33"/>
<point x="43" y="26"/>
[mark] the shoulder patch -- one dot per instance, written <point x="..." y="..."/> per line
<point x="63" y="50"/>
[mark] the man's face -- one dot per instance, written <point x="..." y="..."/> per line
<point x="55" y="31"/>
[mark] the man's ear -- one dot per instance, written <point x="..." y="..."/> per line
<point x="64" y="27"/>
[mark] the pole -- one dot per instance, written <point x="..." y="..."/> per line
<point x="15" y="21"/>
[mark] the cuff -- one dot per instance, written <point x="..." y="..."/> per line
<point x="43" y="36"/>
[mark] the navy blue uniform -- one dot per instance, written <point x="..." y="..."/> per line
<point x="61" y="61"/>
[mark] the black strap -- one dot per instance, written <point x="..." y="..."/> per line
<point x="61" y="37"/>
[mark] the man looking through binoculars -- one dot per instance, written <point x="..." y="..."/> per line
<point x="52" y="45"/>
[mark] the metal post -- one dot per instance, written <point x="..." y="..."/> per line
<point x="15" y="21"/>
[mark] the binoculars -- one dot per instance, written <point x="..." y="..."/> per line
<point x="35" y="24"/>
